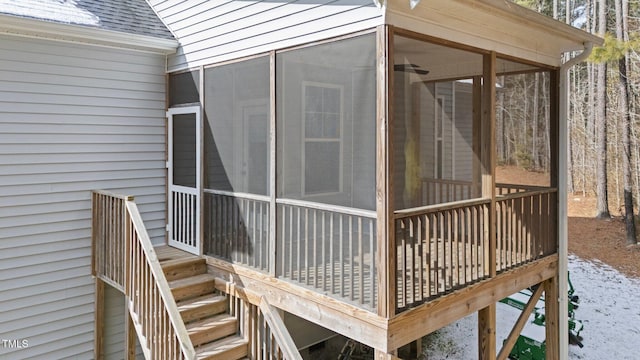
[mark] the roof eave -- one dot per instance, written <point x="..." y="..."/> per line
<point x="495" y="25"/>
<point x="510" y="9"/>
<point x="19" y="26"/>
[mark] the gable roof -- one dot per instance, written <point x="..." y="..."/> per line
<point x="128" y="16"/>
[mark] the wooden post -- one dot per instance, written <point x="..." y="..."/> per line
<point x="129" y="334"/>
<point x="200" y="175"/>
<point x="476" y="188"/>
<point x="487" y="333"/>
<point x="385" y="260"/>
<point x="552" y="316"/>
<point x="554" y="140"/>
<point x="487" y="316"/>
<point x="555" y="315"/>
<point x="98" y="348"/>
<point x="411" y="350"/>
<point x="272" y="171"/>
<point x="381" y="355"/>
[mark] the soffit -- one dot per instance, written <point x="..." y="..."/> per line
<point x="496" y="25"/>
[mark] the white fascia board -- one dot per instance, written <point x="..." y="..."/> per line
<point x="17" y="26"/>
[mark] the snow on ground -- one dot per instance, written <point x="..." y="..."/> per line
<point x="609" y="310"/>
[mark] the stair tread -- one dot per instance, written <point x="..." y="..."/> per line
<point x="209" y="323"/>
<point x="220" y="346"/>
<point x="199" y="301"/>
<point x="202" y="307"/>
<point x="170" y="263"/>
<point x="212" y="329"/>
<point x="192" y="280"/>
<point x="183" y="268"/>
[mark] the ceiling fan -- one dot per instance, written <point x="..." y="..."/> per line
<point x="410" y="68"/>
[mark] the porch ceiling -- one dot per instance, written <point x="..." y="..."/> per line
<point x="497" y="25"/>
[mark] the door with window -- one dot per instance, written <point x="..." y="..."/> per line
<point x="184" y="178"/>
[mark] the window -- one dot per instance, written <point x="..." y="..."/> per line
<point x="184" y="88"/>
<point x="326" y="123"/>
<point x="322" y="138"/>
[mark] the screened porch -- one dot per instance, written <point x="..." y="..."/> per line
<point x="366" y="167"/>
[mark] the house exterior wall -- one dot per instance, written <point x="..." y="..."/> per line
<point x="73" y="118"/>
<point x="113" y="325"/>
<point x="211" y="32"/>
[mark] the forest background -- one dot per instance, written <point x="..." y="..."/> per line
<point x="604" y="95"/>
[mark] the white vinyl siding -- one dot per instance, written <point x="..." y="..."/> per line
<point x="113" y="325"/>
<point x="73" y="118"/>
<point x="211" y="32"/>
<point x="463" y="132"/>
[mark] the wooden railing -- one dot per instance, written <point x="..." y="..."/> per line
<point x="236" y="228"/>
<point x="124" y="257"/>
<point x="438" y="191"/>
<point x="526" y="227"/>
<point x="504" y="189"/>
<point x="440" y="248"/>
<point x="328" y="248"/>
<point x="268" y="336"/>
<point x="276" y="332"/>
<point x="108" y="233"/>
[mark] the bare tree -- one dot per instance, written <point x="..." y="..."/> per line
<point x="623" y="103"/>
<point x="602" y="199"/>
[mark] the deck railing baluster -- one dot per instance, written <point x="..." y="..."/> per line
<point x="125" y="259"/>
<point x="328" y="249"/>
<point x="445" y="246"/>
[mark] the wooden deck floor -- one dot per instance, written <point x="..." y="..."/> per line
<point x="166" y="253"/>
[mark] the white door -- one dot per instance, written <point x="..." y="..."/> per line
<point x="184" y="178"/>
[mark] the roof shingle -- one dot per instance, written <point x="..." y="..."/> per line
<point x="128" y="16"/>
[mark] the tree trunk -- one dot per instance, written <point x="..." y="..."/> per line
<point x="602" y="206"/>
<point x="570" y="171"/>
<point x="623" y="87"/>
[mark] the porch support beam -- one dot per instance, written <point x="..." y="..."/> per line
<point x="200" y="174"/>
<point x="552" y="318"/>
<point x="272" y="170"/>
<point x="555" y="314"/>
<point x="130" y="334"/>
<point x="477" y="137"/>
<point x="520" y="323"/>
<point x="381" y="355"/>
<point x="487" y="333"/>
<point x="385" y="251"/>
<point x="487" y="316"/>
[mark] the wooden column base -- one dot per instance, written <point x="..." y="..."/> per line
<point x="487" y="333"/>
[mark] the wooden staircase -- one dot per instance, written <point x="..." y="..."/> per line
<point x="173" y="305"/>
<point x="212" y="330"/>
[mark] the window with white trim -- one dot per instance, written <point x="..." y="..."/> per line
<point x="322" y="134"/>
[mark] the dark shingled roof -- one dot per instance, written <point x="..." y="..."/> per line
<point x="128" y="16"/>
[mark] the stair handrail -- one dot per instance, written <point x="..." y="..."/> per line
<point x="162" y="285"/>
<point x="123" y="257"/>
<point x="279" y="330"/>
